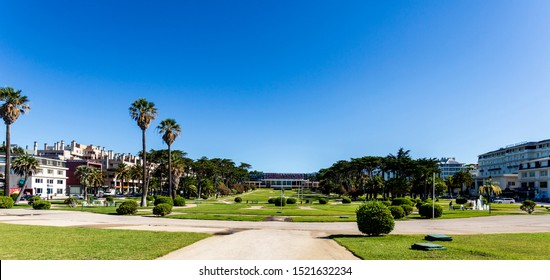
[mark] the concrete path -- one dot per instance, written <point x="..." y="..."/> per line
<point x="270" y="240"/>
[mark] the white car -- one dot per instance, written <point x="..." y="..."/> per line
<point x="505" y="200"/>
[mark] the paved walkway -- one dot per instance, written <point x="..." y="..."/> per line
<point x="270" y="240"/>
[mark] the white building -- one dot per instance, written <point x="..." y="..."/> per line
<point x="503" y="165"/>
<point x="449" y="166"/>
<point x="49" y="181"/>
<point x="533" y="179"/>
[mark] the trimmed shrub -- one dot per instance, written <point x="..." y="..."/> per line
<point x="203" y="196"/>
<point x="397" y="211"/>
<point x="69" y="201"/>
<point x="323" y="200"/>
<point x="279" y="201"/>
<point x="41" y="205"/>
<point x="291" y="200"/>
<point x="374" y="218"/>
<point x="162" y="209"/>
<point x="34" y="199"/>
<point x="179" y="201"/>
<point x="528" y="206"/>
<point x="271" y="200"/>
<point x="6" y="202"/>
<point x="164" y="199"/>
<point x="461" y="200"/>
<point x="387" y="203"/>
<point x="408" y="209"/>
<point x="425" y="211"/>
<point x="346" y="200"/>
<point x="128" y="207"/>
<point x="401" y="201"/>
<point x="150" y="198"/>
<point x="14" y="196"/>
<point x="238" y="199"/>
<point x="109" y="199"/>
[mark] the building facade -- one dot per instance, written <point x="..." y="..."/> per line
<point x="283" y="180"/>
<point x="449" y="166"/>
<point x="503" y="166"/>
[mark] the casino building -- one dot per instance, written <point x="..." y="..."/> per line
<point x="279" y="181"/>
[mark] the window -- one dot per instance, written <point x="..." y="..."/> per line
<point x="59" y="191"/>
<point x="50" y="171"/>
<point x="50" y="181"/>
<point x="39" y="181"/>
<point x="543" y="185"/>
<point x="50" y="191"/>
<point x="544" y="173"/>
<point x="59" y="172"/>
<point x="532" y="174"/>
<point x="60" y="182"/>
<point x="38" y="190"/>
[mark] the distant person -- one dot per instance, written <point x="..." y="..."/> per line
<point x="451" y="205"/>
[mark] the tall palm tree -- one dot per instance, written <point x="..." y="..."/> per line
<point x="135" y="173"/>
<point x="24" y="165"/>
<point x="143" y="112"/>
<point x="170" y="130"/>
<point x="14" y="105"/>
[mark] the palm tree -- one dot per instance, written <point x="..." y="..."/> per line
<point x="14" y="105"/>
<point x="488" y="188"/>
<point x="135" y="173"/>
<point x="143" y="112"/>
<point x="24" y="165"/>
<point x="122" y="171"/>
<point x="88" y="177"/>
<point x="170" y="130"/>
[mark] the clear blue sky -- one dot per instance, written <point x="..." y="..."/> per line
<point x="286" y="86"/>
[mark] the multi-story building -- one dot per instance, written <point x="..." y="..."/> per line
<point x="534" y="179"/>
<point x="78" y="154"/>
<point x="503" y="165"/>
<point x="283" y="180"/>
<point x="449" y="166"/>
<point x="49" y="181"/>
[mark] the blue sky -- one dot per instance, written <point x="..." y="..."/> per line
<point x="286" y="86"/>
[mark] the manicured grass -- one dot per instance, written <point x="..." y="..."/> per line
<point x="221" y="217"/>
<point x="62" y="243"/>
<point x="531" y="246"/>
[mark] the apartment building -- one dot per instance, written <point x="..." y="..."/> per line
<point x="50" y="181"/>
<point x="449" y="166"/>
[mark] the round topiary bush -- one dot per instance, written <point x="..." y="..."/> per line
<point x="408" y="209"/>
<point x="323" y="200"/>
<point x="33" y="199"/>
<point x="279" y="201"/>
<point x="346" y="200"/>
<point x="128" y="207"/>
<point x="291" y="200"/>
<point x="387" y="203"/>
<point x="238" y="199"/>
<point x="162" y="209"/>
<point x="179" y="201"/>
<point x="271" y="200"/>
<point x="163" y="199"/>
<point x="401" y="201"/>
<point x="205" y="197"/>
<point x="425" y="211"/>
<point x="41" y="205"/>
<point x="374" y="218"/>
<point x="69" y="201"/>
<point x="397" y="212"/>
<point x="6" y="202"/>
<point x="461" y="200"/>
<point x="109" y="199"/>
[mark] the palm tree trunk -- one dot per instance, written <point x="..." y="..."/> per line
<point x="8" y="162"/>
<point x="144" y="184"/>
<point x="170" y="187"/>
<point x="21" y="191"/>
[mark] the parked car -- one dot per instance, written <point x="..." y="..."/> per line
<point x="505" y="200"/>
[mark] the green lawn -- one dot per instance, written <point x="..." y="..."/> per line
<point x="254" y="207"/>
<point x="62" y="243"/>
<point x="531" y="246"/>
